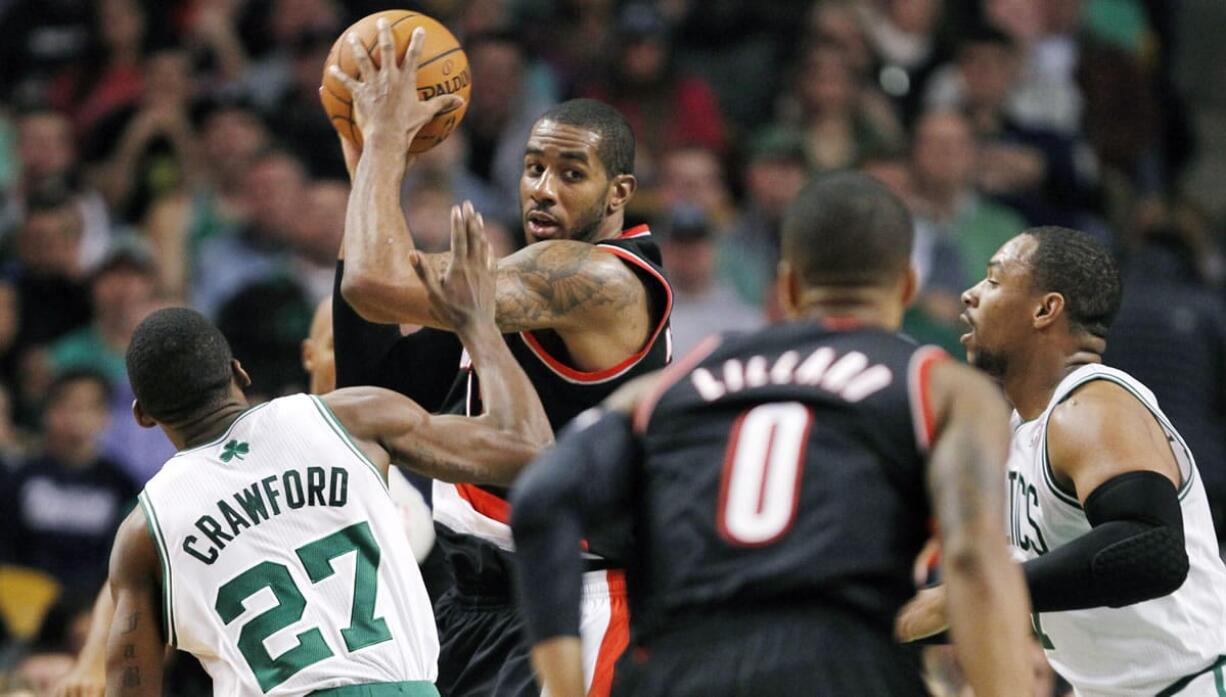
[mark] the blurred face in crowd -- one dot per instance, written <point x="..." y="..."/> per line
<point x="274" y="187"/>
<point x="837" y="23"/>
<point x="318" y="357"/>
<point x="693" y="175"/>
<point x="827" y="86"/>
<point x="123" y="293"/>
<point x="168" y="79"/>
<point x="324" y="222"/>
<point x="498" y="67"/>
<point x="690" y="263"/>
<point x="231" y="138"/>
<point x="772" y="183"/>
<point x="8" y="315"/>
<point x="988" y="72"/>
<point x="914" y="16"/>
<point x="999" y="308"/>
<point x="49" y="242"/>
<point x="943" y="152"/>
<point x="74" y="418"/>
<point x="289" y="18"/>
<point x="122" y="24"/>
<point x="44" y="145"/>
<point x="564" y="190"/>
<point x="643" y="60"/>
<point x="428" y="212"/>
<point x="1063" y="16"/>
<point x="895" y="174"/>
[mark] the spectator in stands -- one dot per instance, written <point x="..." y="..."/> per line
<point x="318" y="236"/>
<point x="231" y="136"/>
<point x="842" y="120"/>
<point x="47" y="159"/>
<point x="61" y="509"/>
<point x="776" y="170"/>
<point x="944" y="159"/>
<point x="445" y="164"/>
<point x="703" y="303"/>
<point x="904" y="41"/>
<point x="1170" y="333"/>
<point x="296" y="118"/>
<point x="274" y="188"/>
<point x="689" y="175"/>
<point x="666" y="108"/>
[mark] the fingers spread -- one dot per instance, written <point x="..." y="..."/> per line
<point x="366" y="67"/>
<point x="459" y="236"/>
<point x="349" y="83"/>
<point x="425" y="273"/>
<point x="387" y="47"/>
<point x="416" y="44"/>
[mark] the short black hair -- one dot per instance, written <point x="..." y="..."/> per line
<point x="847" y="229"/>
<point x="70" y="376"/>
<point x="616" y="147"/>
<point x="179" y="365"/>
<point x="1082" y="269"/>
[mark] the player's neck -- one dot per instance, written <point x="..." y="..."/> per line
<point x="610" y="228"/>
<point x="1032" y="380"/>
<point x="208" y="427"/>
<point x="866" y="307"/>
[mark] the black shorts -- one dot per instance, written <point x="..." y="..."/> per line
<point x="481" y="648"/>
<point x="812" y="652"/>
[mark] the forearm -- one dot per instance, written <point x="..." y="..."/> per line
<point x="380" y="283"/>
<point x="93" y="652"/>
<point x="134" y="650"/>
<point x="511" y="403"/>
<point x="559" y="663"/>
<point x="987" y="612"/>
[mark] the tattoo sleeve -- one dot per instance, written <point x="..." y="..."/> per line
<point x="556" y="284"/>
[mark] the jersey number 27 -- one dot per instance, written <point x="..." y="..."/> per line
<point x="364" y="628"/>
<point x="763" y="467"/>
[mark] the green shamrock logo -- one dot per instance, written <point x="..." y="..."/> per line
<point x="234" y="449"/>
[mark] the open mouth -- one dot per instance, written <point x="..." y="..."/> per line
<point x="542" y="225"/>
<point x="965" y="338"/>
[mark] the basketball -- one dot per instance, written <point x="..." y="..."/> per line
<point x="443" y="69"/>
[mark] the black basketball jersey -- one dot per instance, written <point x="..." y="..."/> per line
<point x="784" y="468"/>
<point x="473" y="521"/>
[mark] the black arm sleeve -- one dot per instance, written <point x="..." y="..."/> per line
<point x="588" y="477"/>
<point x="1135" y="551"/>
<point x="422" y="366"/>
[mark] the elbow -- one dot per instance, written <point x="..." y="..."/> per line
<point x="364" y="294"/>
<point x="1153" y="570"/>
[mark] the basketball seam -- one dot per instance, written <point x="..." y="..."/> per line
<point x="444" y="54"/>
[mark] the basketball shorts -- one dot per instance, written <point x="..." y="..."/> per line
<point x="482" y="651"/>
<point x="782" y="651"/>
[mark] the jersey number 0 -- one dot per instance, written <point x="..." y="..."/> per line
<point x="763" y="467"/>
<point x="364" y="628"/>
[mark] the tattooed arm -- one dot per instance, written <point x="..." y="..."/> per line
<point x="136" y="646"/>
<point x="987" y="603"/>
<point x="596" y="304"/>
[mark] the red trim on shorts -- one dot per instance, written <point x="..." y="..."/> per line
<point x="485" y="503"/>
<point x="669" y="377"/>
<point x="581" y="376"/>
<point x="616" y="636"/>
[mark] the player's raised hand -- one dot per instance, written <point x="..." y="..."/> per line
<point x="385" y="100"/>
<point x="463" y="296"/>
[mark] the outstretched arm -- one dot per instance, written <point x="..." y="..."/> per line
<point x="987" y="602"/>
<point x="136" y="647"/>
<point x="88" y="675"/>
<point x="491" y="448"/>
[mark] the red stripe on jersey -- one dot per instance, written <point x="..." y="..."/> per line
<point x="485" y="503"/>
<point x="573" y="375"/>
<point x="616" y="636"/>
<point x="636" y="231"/>
<point x="669" y="377"/>
<point x="918" y="378"/>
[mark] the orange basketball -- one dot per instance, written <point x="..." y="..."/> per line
<point x="443" y="69"/>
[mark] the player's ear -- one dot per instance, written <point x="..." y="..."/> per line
<point x="1049" y="309"/>
<point x="787" y="289"/>
<point x="910" y="285"/>
<point x="138" y="412"/>
<point x="621" y="190"/>
<point x="241" y="378"/>
<point x="308" y="355"/>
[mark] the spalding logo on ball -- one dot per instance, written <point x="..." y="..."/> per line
<point x="443" y="69"/>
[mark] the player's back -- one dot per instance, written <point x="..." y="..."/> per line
<point x="786" y="469"/>
<point x="285" y="567"/>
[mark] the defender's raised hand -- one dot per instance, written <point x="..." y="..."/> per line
<point x="385" y="101"/>
<point x="464" y="296"/>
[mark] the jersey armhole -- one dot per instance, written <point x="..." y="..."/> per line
<point x="159" y="542"/>
<point x="341" y="432"/>
<point x="919" y="373"/>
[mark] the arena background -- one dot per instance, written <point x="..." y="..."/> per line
<point x="174" y="152"/>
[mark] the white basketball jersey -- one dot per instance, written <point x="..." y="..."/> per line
<point x="1140" y="649"/>
<point x="285" y="567"/>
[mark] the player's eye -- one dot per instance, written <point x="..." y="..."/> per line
<point x="534" y="169"/>
<point x="573" y="175"/>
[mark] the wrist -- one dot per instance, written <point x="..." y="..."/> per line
<point x="389" y="142"/>
<point x="479" y="336"/>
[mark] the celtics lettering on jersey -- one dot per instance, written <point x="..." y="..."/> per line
<point x="1024" y="531"/>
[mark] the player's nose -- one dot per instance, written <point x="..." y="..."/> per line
<point x="970" y="296"/>
<point x="543" y="190"/>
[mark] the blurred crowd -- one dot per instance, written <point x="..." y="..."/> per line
<point x="159" y="152"/>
